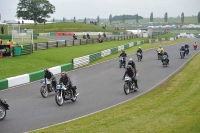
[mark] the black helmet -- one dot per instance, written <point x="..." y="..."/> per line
<point x="46" y="71"/>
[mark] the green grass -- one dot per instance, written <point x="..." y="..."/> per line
<point x="42" y="59"/>
<point x="65" y="27"/>
<point x="168" y="35"/>
<point x="172" y="107"/>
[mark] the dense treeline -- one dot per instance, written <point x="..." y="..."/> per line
<point x="127" y="17"/>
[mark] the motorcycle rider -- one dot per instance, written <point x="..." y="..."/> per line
<point x="74" y="37"/>
<point x="187" y="47"/>
<point x="195" y="44"/>
<point x="88" y="36"/>
<point x="84" y="36"/>
<point x="160" y="49"/>
<point x="104" y="34"/>
<point x="140" y="51"/>
<point x="131" y="73"/>
<point x="182" y="49"/>
<point x="49" y="75"/>
<point x="123" y="54"/>
<point x="165" y="53"/>
<point x="67" y="82"/>
<point x="132" y="63"/>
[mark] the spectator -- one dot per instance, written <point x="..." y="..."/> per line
<point x="2" y="30"/>
<point x="0" y="41"/>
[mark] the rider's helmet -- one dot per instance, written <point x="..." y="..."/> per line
<point x="123" y="51"/>
<point x="46" y="70"/>
<point x="165" y="52"/>
<point x="160" y="46"/>
<point x="139" y="48"/>
<point x="64" y="74"/>
<point x="130" y="60"/>
<point x="128" y="67"/>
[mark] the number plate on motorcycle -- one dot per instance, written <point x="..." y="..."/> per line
<point x="58" y="87"/>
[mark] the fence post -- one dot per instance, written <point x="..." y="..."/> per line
<point x="36" y="46"/>
<point x="65" y="43"/>
<point x="86" y="41"/>
<point x="73" y="43"/>
<point x="47" y="45"/>
<point x="56" y="43"/>
<point x="80" y="41"/>
<point x="31" y="48"/>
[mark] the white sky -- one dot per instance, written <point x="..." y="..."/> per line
<point x="92" y="8"/>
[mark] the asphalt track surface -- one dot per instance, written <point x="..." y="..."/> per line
<point x="100" y="86"/>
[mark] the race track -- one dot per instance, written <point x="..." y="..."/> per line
<point x="100" y="86"/>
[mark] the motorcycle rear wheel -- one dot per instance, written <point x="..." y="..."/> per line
<point x="2" y="112"/>
<point x="44" y="91"/>
<point x="74" y="99"/>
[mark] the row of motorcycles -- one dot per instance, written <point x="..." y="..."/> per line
<point x="62" y="93"/>
<point x="122" y="60"/>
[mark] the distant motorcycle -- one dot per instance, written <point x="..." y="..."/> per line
<point x="159" y="53"/>
<point x="182" y="54"/>
<point x="46" y="87"/>
<point x="122" y="62"/>
<point x="186" y="51"/>
<point x="64" y="94"/>
<point x="3" y="108"/>
<point x="129" y="85"/>
<point x="195" y="47"/>
<point x="139" y="56"/>
<point x="75" y="37"/>
<point x="164" y="61"/>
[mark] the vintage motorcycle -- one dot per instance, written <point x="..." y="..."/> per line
<point x="129" y="85"/>
<point x="64" y="94"/>
<point x="3" y="108"/>
<point x="164" y="61"/>
<point x="139" y="56"/>
<point x="46" y="88"/>
<point x="122" y="62"/>
<point x="182" y="54"/>
<point x="159" y="53"/>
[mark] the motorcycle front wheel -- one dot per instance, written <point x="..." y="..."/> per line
<point x="44" y="91"/>
<point x="2" y="112"/>
<point x="126" y="89"/>
<point x="59" y="99"/>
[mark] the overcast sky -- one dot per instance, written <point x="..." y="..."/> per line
<point x="92" y="8"/>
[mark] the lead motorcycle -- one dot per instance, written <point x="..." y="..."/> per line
<point x="46" y="88"/>
<point x="64" y="94"/>
<point x="3" y="108"/>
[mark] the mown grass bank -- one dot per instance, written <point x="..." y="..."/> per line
<point x="66" y="27"/>
<point x="172" y="107"/>
<point x="42" y="59"/>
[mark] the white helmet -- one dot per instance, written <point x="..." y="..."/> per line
<point x="130" y="59"/>
<point x="139" y="47"/>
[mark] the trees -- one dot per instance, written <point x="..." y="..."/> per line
<point x="182" y="17"/>
<point x="53" y="20"/>
<point x="151" y="17"/>
<point x="37" y="10"/>
<point x="110" y="18"/>
<point x="74" y="19"/>
<point x="64" y="19"/>
<point x="166" y="17"/>
<point x="136" y="18"/>
<point x="85" y="21"/>
<point x="98" y="19"/>
<point x="198" y="17"/>
<point x="123" y="18"/>
<point x="127" y="17"/>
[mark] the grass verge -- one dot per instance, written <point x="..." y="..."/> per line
<point x="42" y="59"/>
<point x="171" y="107"/>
